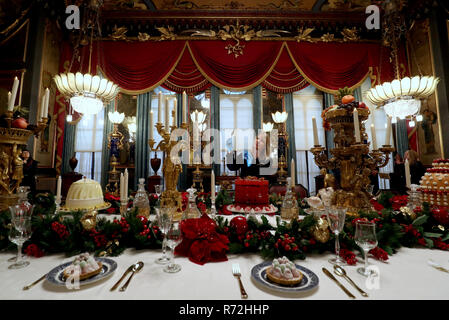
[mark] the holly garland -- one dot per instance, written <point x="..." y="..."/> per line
<point x="396" y="227"/>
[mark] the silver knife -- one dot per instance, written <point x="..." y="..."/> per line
<point x="130" y="268"/>
<point x="330" y="275"/>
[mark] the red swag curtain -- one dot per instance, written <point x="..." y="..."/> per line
<point x="283" y="67"/>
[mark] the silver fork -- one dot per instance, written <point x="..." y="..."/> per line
<point x="237" y="274"/>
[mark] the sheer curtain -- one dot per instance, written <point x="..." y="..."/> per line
<point x="236" y="112"/>
<point x="377" y="117"/>
<point x="307" y="103"/>
<point x="89" y="145"/>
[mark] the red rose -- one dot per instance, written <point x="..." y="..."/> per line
<point x="239" y="225"/>
<point x="441" y="215"/>
<point x="34" y="251"/>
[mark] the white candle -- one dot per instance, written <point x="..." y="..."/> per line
<point x="373" y="136"/>
<point x="356" y="125"/>
<point x="12" y="101"/>
<point x="159" y="108"/>
<point x="9" y="98"/>
<point x="122" y="184"/>
<point x="184" y="107"/>
<point x="175" y="112"/>
<point x="315" y="132"/>
<point x="293" y="172"/>
<point x="407" y="174"/>
<point x="42" y="107"/>
<point x="58" y="188"/>
<point x="388" y="134"/>
<point x="212" y="185"/>
<point x="151" y="124"/>
<point x="125" y="187"/>
<point x="47" y="99"/>
<point x="167" y="113"/>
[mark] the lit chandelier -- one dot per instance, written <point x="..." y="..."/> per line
<point x="401" y="97"/>
<point x="87" y="93"/>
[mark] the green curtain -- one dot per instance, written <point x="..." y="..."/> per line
<point x="107" y="129"/>
<point x="329" y="101"/>
<point x="401" y="137"/>
<point x="257" y="108"/>
<point x="142" y="153"/>
<point x="69" y="146"/>
<point x="291" y="153"/>
<point x="215" y="118"/>
<point x="182" y="182"/>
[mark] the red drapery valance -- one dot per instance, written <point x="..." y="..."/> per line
<point x="283" y="67"/>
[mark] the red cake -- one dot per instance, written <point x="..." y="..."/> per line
<point x="251" y="191"/>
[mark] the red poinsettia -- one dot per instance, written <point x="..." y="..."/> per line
<point x="201" y="242"/>
<point x="377" y="206"/>
<point x="33" y="250"/>
<point x="398" y="201"/>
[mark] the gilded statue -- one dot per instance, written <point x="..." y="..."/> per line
<point x="4" y="166"/>
<point x="17" y="165"/>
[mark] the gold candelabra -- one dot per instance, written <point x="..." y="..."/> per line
<point x="11" y="165"/>
<point x="170" y="197"/>
<point x="354" y="161"/>
<point x="283" y="149"/>
<point x="115" y="143"/>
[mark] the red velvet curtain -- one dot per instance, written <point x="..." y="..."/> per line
<point x="282" y="67"/>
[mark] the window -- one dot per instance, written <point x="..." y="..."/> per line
<point x="89" y="145"/>
<point x="236" y="112"/>
<point x="377" y="117"/>
<point x="307" y="103"/>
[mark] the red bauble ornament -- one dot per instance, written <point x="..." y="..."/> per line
<point x="19" y="123"/>
<point x="441" y="214"/>
<point x="239" y="224"/>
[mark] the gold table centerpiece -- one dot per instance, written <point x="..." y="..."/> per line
<point x="11" y="165"/>
<point x="352" y="158"/>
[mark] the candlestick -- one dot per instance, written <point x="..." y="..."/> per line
<point x="315" y="132"/>
<point x="293" y="172"/>
<point x="212" y="185"/>
<point x="12" y="101"/>
<point x="175" y="112"/>
<point x="373" y="136"/>
<point x="407" y="174"/>
<point x="159" y="108"/>
<point x="167" y="113"/>
<point x="151" y="125"/>
<point x="388" y="134"/>
<point x="356" y="125"/>
<point x="184" y="107"/>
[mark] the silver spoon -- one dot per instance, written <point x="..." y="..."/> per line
<point x="136" y="268"/>
<point x="339" y="271"/>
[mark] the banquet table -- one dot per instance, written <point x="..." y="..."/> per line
<point x="406" y="275"/>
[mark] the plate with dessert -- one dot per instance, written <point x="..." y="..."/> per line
<point x="285" y="276"/>
<point x="89" y="269"/>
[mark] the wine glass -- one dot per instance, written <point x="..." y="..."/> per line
<point x="365" y="238"/>
<point x="18" y="234"/>
<point x="336" y="218"/>
<point x="19" y="210"/>
<point x="174" y="237"/>
<point x="164" y="217"/>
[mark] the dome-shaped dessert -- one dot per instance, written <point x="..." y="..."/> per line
<point x="85" y="194"/>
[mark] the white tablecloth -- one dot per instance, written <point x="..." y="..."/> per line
<point x="406" y="275"/>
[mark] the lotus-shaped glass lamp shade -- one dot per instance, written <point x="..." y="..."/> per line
<point x="267" y="127"/>
<point x="87" y="93"/>
<point x="200" y="116"/>
<point x="116" y="117"/>
<point x="279" y="117"/>
<point x="132" y="127"/>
